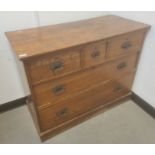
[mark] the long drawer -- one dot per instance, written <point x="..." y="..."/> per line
<point x="100" y="95"/>
<point x="54" y="91"/>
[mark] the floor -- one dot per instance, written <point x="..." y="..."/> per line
<point x="126" y="123"/>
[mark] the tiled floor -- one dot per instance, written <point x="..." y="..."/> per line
<point x="126" y="123"/>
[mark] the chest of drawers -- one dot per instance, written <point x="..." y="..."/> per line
<point x="74" y="70"/>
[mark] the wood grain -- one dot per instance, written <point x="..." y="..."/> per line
<point x="94" y="53"/>
<point x="78" y="68"/>
<point x="47" y="39"/>
<point x="84" y="117"/>
<point x="125" y="44"/>
<point x="102" y="94"/>
<point x="42" y="68"/>
<point x="82" y="81"/>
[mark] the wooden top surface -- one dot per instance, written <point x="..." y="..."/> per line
<point x="36" y="41"/>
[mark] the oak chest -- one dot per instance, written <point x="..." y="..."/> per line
<point x="77" y="69"/>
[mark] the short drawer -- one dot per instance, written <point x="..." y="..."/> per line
<point x="94" y="53"/>
<point x="54" y="65"/>
<point x="124" y="44"/>
<point x="51" y="92"/>
<point x="64" y="111"/>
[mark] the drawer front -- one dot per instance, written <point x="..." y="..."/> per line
<point x="125" y="44"/>
<point x="69" y="109"/>
<point x="52" y="66"/>
<point x="94" y="53"/>
<point x="52" y="92"/>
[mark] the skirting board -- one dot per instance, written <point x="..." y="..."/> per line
<point x="12" y="104"/>
<point x="143" y="104"/>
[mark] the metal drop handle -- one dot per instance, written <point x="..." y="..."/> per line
<point x="59" y="89"/>
<point x="118" y="88"/>
<point x="63" y="112"/>
<point x="126" y="45"/>
<point x="121" y="65"/>
<point x="57" y="65"/>
<point x="95" y="54"/>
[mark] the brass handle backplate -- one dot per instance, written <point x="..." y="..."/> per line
<point x="63" y="112"/>
<point x="95" y="54"/>
<point x="126" y="45"/>
<point x="118" y="88"/>
<point x="121" y="65"/>
<point x="57" y="65"/>
<point x="58" y="89"/>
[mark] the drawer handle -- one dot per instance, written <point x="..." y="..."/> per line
<point x="95" y="54"/>
<point x="63" y="112"/>
<point x="57" y="65"/>
<point x="126" y="45"/>
<point x="121" y="65"/>
<point x="58" y="89"/>
<point x="118" y="88"/>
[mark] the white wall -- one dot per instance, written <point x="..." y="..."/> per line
<point x="56" y="17"/>
<point x="144" y="84"/>
<point x="12" y="85"/>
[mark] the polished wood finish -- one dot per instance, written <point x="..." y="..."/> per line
<point x="54" y="65"/>
<point x="76" y="69"/>
<point x="85" y="116"/>
<point x="94" y="53"/>
<point x="76" y="105"/>
<point x="125" y="44"/>
<point x="47" y="39"/>
<point x="82" y="81"/>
